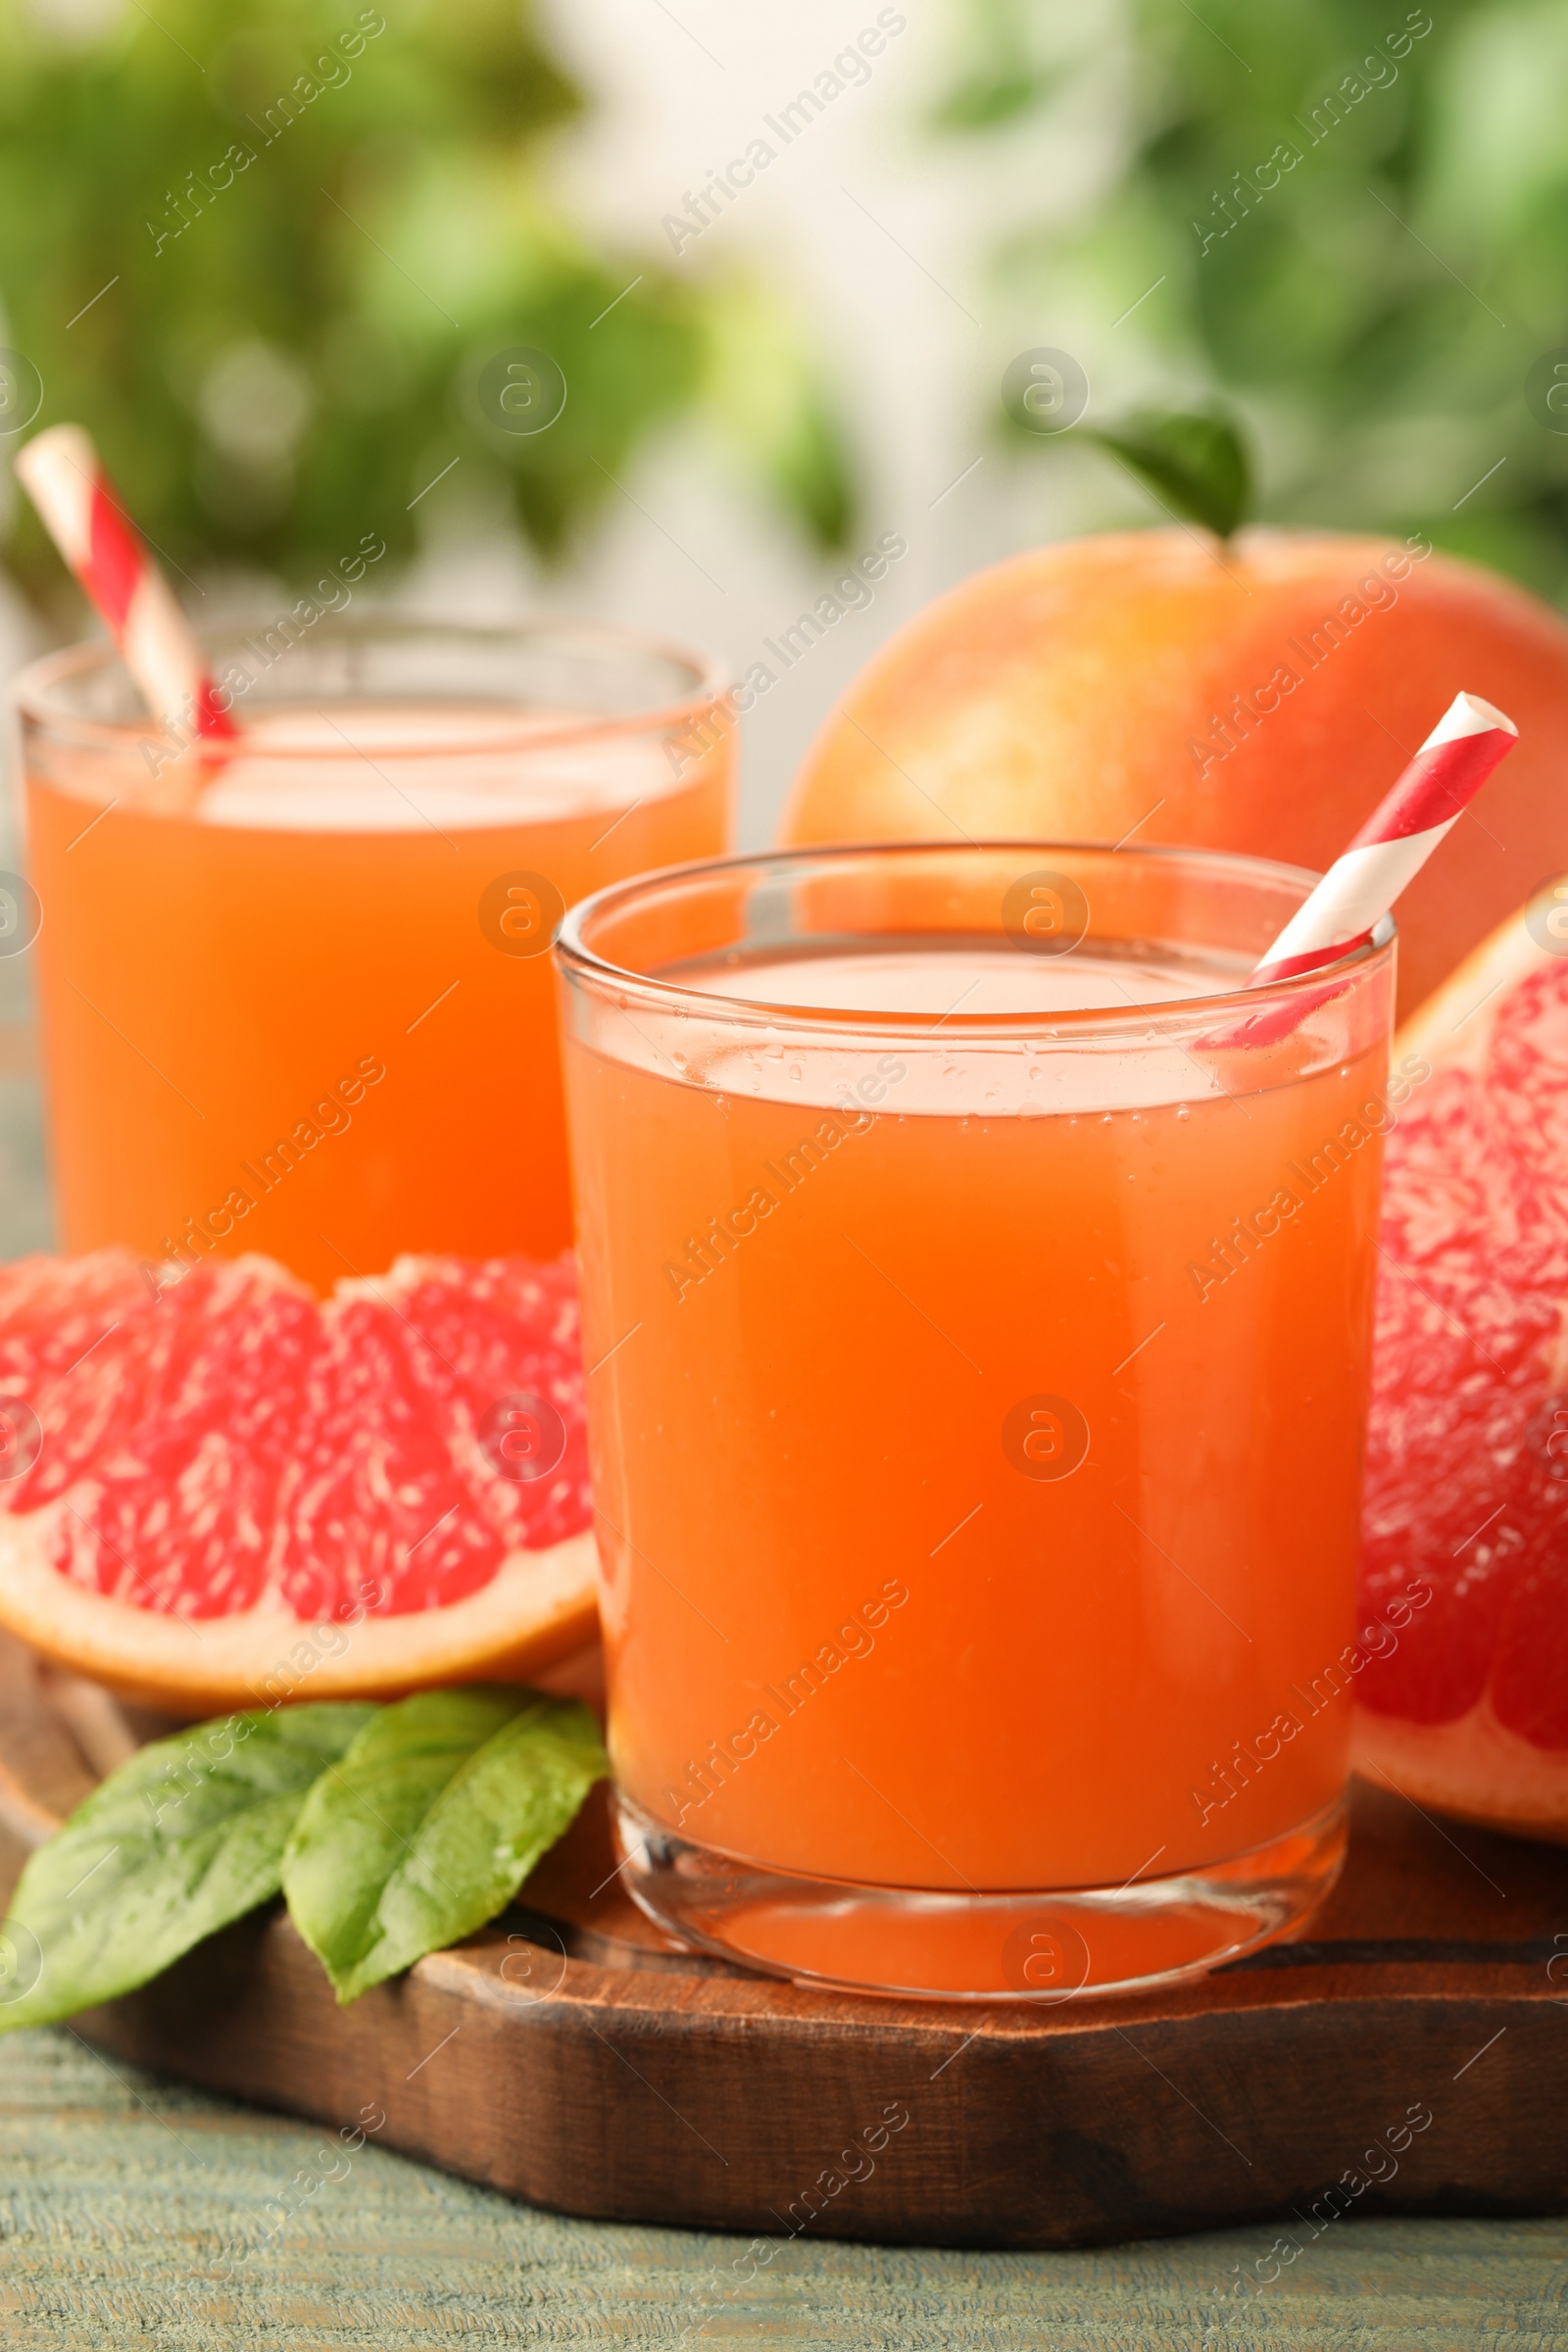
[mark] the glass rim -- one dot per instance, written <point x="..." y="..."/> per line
<point x="30" y="690"/>
<point x="579" y="961"/>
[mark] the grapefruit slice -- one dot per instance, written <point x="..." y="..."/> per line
<point x="217" y="1492"/>
<point x="1466" y="1534"/>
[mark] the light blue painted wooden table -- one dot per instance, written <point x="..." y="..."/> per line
<point x="121" y="2193"/>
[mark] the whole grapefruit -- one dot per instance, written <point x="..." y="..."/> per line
<point x="1463" y="1673"/>
<point x="218" y="1490"/>
<point x="1258" y="694"/>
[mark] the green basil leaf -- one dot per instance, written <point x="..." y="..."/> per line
<point x="186" y="1835"/>
<point x="431" y="1822"/>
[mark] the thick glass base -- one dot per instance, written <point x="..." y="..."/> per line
<point x="1026" y="1946"/>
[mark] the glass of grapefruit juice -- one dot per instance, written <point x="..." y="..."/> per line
<point x="297" y="998"/>
<point x="977" y="1295"/>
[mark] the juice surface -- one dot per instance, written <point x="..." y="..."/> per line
<point x="870" y="1616"/>
<point x="278" y="1013"/>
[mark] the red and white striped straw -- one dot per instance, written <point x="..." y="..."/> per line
<point x="66" y="482"/>
<point x="1395" y="842"/>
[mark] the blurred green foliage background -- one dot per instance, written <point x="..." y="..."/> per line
<point x="274" y="365"/>
<point x="1373" y="315"/>
<point x="275" y="354"/>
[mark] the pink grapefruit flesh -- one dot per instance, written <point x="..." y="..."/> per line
<point x="216" y="1491"/>
<point x="1467" y="1468"/>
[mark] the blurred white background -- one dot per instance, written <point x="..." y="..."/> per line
<point x="881" y="233"/>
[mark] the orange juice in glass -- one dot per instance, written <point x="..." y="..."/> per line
<point x="297" y="998"/>
<point x="980" y="1295"/>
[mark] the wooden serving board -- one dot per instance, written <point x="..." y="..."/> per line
<point x="570" y="2056"/>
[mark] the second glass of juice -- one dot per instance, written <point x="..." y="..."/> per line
<point x="296" y="993"/>
<point x="979" y="1289"/>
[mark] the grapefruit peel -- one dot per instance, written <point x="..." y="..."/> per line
<point x="537" y="1608"/>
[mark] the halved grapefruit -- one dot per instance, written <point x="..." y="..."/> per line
<point x="1466" y="1522"/>
<point x="217" y="1492"/>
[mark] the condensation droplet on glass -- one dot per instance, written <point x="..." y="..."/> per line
<point x="1181" y="1112"/>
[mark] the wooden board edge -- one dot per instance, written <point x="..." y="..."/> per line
<point x="610" y="2099"/>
